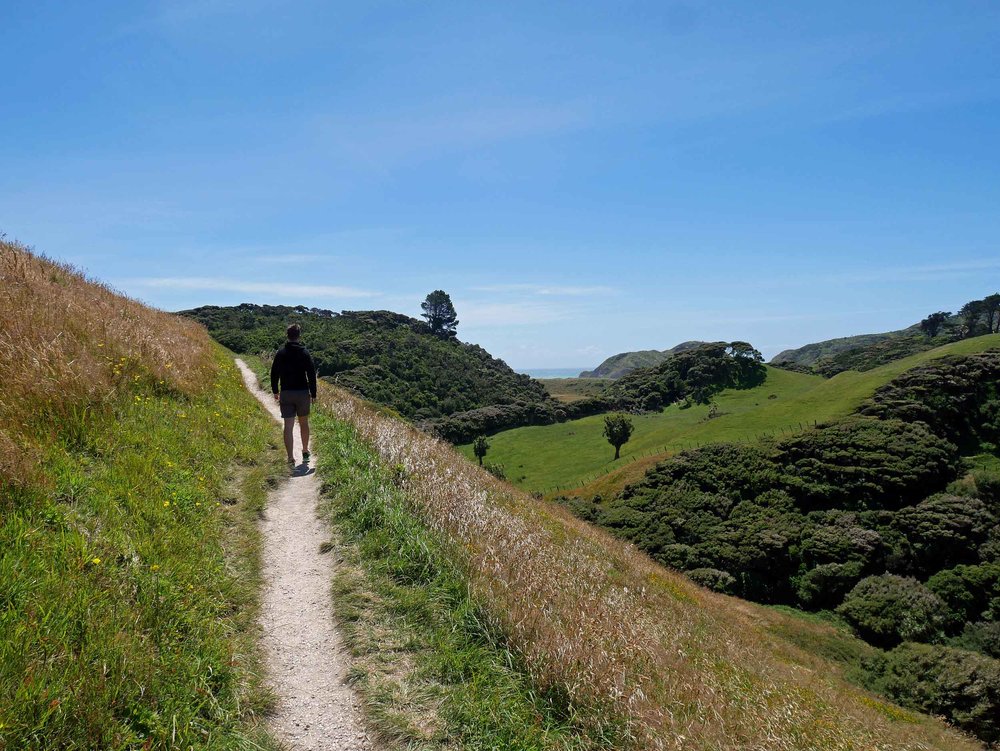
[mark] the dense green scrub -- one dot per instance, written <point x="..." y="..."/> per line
<point x="129" y="581"/>
<point x="879" y="516"/>
<point x="431" y="672"/>
<point x="692" y="376"/>
<point x="385" y="357"/>
<point x="572" y="453"/>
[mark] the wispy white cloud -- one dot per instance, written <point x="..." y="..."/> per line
<point x="500" y="314"/>
<point x="284" y="289"/>
<point x="925" y="273"/>
<point x="283" y="258"/>
<point x="548" y="290"/>
<point x="396" y="138"/>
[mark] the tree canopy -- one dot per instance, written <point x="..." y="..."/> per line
<point x="440" y="314"/>
<point x="618" y="429"/>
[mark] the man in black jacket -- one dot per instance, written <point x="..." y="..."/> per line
<point x="293" y="370"/>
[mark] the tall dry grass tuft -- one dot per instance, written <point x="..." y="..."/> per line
<point x="637" y="651"/>
<point x="67" y="347"/>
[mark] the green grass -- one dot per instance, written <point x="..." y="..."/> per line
<point x="431" y="673"/>
<point x="574" y="389"/>
<point x="570" y="454"/>
<point x="127" y="616"/>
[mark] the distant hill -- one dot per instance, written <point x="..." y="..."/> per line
<point x="810" y="354"/>
<point x="867" y="351"/>
<point x="383" y="356"/>
<point x="624" y="363"/>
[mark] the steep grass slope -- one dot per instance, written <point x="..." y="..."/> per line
<point x="128" y="567"/>
<point x="634" y="655"/>
<point x="575" y="454"/>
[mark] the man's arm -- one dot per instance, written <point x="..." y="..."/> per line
<point x="274" y="372"/>
<point x="311" y="373"/>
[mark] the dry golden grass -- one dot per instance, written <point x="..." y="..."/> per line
<point x="67" y="347"/>
<point x="634" y="648"/>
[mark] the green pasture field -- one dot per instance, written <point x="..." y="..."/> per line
<point x="574" y="389"/>
<point x="570" y="454"/>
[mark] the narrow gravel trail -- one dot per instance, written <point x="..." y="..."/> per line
<point x="306" y="660"/>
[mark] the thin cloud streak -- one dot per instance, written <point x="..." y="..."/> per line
<point x="549" y="290"/>
<point x="284" y="289"/>
<point x="491" y="315"/>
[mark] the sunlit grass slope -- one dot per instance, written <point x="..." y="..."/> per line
<point x="637" y="656"/>
<point x="573" y="454"/>
<point x="128" y="566"/>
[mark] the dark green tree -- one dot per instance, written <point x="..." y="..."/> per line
<point x="480" y="446"/>
<point x="932" y="324"/>
<point x="887" y="609"/>
<point x="440" y="313"/>
<point x="991" y="312"/>
<point x="972" y="315"/>
<point x="618" y="429"/>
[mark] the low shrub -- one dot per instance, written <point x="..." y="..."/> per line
<point x="889" y="609"/>
<point x="720" y="581"/>
<point x="960" y="685"/>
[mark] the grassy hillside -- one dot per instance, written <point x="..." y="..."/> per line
<point x="869" y="351"/>
<point x="809" y="354"/>
<point x="629" y="654"/>
<point x="383" y="356"/>
<point x="875" y="515"/>
<point x="575" y="454"/>
<point x="130" y="475"/>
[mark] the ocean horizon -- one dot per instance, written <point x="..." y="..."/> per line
<point x="553" y="372"/>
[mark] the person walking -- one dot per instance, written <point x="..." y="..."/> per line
<point x="293" y="383"/>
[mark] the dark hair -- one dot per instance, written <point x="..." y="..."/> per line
<point x="294" y="332"/>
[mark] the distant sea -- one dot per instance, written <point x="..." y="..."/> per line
<point x="554" y="372"/>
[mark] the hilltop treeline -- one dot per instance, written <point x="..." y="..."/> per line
<point x="383" y="356"/>
<point x="871" y="516"/>
<point x="693" y="375"/>
<point x="869" y="351"/>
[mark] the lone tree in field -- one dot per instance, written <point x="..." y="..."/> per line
<point x="618" y="429"/>
<point x="440" y="314"/>
<point x="480" y="446"/>
<point x="932" y="324"/>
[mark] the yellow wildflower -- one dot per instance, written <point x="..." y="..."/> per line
<point x="95" y="560"/>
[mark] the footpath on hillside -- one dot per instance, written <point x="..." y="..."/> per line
<point x="306" y="660"/>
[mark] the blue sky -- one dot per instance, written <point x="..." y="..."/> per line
<point x="583" y="178"/>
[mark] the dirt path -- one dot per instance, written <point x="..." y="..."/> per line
<point x="306" y="661"/>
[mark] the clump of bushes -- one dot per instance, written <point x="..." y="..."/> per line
<point x="960" y="685"/>
<point x="889" y="609"/>
<point x="385" y="357"/>
<point x="695" y="374"/>
<point x="720" y="581"/>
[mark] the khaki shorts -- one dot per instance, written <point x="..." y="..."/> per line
<point x="294" y="403"/>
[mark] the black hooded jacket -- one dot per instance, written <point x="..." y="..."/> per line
<point x="293" y="369"/>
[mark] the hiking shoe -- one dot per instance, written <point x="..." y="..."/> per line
<point x="305" y="457"/>
<point x="291" y="463"/>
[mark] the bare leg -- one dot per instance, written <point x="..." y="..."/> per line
<point x="289" y="440"/>
<point x="304" y="428"/>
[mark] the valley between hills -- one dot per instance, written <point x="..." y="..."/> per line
<point x="782" y="558"/>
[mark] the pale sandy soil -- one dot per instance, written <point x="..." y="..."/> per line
<point x="306" y="660"/>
